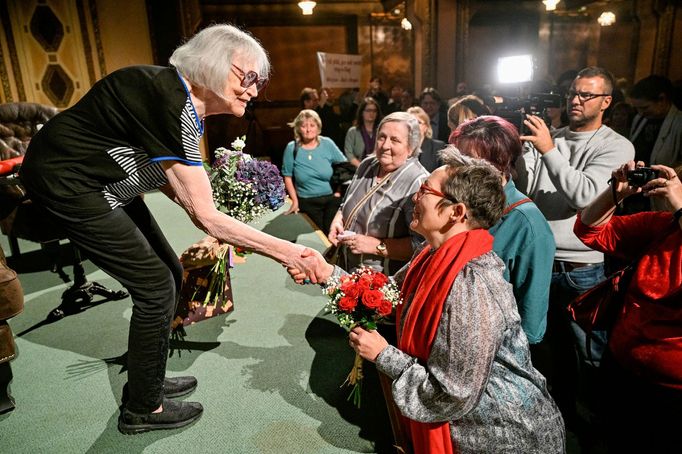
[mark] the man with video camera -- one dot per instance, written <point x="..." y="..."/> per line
<point x="563" y="172"/>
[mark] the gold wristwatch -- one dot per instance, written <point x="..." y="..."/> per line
<point x="381" y="248"/>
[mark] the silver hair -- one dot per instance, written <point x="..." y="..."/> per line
<point x="413" y="133"/>
<point x="452" y="157"/>
<point x="206" y="59"/>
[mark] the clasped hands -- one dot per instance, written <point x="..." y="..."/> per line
<point x="309" y="267"/>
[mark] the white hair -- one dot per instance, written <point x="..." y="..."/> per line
<point x="413" y="133"/>
<point x="206" y="59"/>
<point x="452" y="157"/>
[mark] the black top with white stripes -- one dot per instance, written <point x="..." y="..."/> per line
<point x="106" y="149"/>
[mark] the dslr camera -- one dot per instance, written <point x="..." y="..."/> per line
<point x="514" y="110"/>
<point x="641" y="176"/>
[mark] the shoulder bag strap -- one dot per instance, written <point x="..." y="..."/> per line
<point x="515" y="204"/>
<point x="356" y="209"/>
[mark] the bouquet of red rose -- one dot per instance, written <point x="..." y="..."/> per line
<point x="362" y="298"/>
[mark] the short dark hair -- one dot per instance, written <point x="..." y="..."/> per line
<point x="491" y="138"/>
<point x="652" y="87"/>
<point x="306" y="94"/>
<point x="430" y="91"/>
<point x="596" y="71"/>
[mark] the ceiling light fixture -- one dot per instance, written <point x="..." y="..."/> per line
<point x="406" y="24"/>
<point x="550" y="5"/>
<point x="607" y="18"/>
<point x="307" y="7"/>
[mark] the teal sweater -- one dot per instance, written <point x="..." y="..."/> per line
<point x="525" y="243"/>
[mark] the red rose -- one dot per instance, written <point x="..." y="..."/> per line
<point x="379" y="280"/>
<point x="366" y="279"/>
<point x="347" y="304"/>
<point x="385" y="308"/>
<point x="365" y="282"/>
<point x="372" y="298"/>
<point x="351" y="289"/>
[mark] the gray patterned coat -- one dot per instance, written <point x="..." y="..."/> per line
<point x="478" y="375"/>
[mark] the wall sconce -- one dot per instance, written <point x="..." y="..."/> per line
<point x="406" y="24"/>
<point x="607" y="18"/>
<point x="307" y="7"/>
<point x="550" y="5"/>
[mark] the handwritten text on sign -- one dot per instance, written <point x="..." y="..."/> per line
<point x="339" y="70"/>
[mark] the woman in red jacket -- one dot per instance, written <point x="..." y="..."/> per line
<point x="643" y="370"/>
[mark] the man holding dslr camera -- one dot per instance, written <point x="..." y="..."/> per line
<point x="564" y="171"/>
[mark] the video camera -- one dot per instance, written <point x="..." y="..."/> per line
<point x="514" y="110"/>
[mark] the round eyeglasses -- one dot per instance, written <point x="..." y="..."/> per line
<point x="251" y="77"/>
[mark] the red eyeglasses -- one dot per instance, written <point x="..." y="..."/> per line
<point x="424" y="189"/>
<point x="251" y="77"/>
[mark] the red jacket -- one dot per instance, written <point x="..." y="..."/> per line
<point x="647" y="337"/>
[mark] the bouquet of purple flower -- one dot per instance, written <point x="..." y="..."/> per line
<point x="243" y="187"/>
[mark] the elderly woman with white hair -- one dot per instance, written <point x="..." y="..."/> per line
<point x="372" y="226"/>
<point x="136" y="130"/>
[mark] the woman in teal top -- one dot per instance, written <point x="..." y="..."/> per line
<point x="307" y="169"/>
<point x="523" y="239"/>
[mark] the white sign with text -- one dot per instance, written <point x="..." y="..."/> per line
<point x="339" y="70"/>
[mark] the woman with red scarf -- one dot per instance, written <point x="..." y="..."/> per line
<point x="462" y="376"/>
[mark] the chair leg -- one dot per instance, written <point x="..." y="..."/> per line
<point x="6" y="400"/>
<point x="52" y="251"/>
<point x="14" y="246"/>
<point x="80" y="294"/>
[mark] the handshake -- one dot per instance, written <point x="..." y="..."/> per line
<point x="308" y="267"/>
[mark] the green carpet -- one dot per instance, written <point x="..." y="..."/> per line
<point x="269" y="372"/>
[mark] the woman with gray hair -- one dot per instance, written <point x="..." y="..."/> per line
<point x="461" y="372"/>
<point x="372" y="227"/>
<point x="307" y="170"/>
<point x="136" y="130"/>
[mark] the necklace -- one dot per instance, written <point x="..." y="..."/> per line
<point x="310" y="151"/>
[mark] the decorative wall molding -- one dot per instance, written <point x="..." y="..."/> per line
<point x="52" y="50"/>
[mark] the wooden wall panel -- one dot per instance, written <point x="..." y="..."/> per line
<point x="293" y="54"/>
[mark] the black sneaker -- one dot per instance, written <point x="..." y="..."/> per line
<point x="174" y="415"/>
<point x="178" y="386"/>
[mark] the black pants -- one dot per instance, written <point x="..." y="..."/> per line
<point x="128" y="245"/>
<point x="321" y="210"/>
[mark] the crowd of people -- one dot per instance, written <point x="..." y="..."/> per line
<point x="562" y="164"/>
<point x="489" y="239"/>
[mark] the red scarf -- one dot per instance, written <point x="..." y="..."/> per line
<point x="428" y="283"/>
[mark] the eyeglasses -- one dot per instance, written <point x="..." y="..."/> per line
<point x="371" y="110"/>
<point x="584" y="96"/>
<point x="251" y="77"/>
<point x="424" y="189"/>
